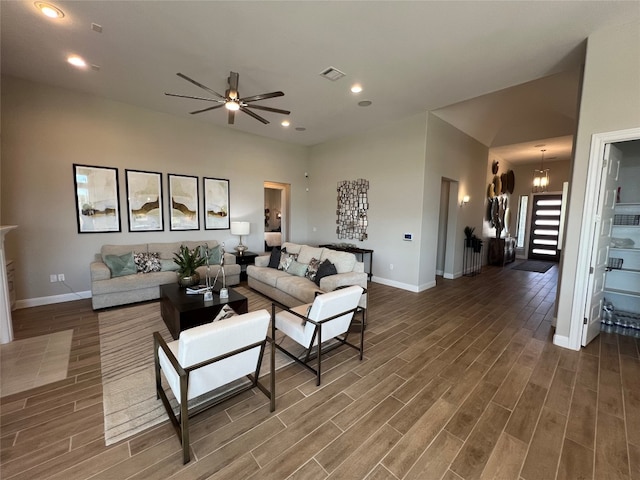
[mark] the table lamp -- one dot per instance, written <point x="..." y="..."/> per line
<point x="240" y="228"/>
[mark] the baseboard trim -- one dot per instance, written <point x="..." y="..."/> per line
<point x="563" y="341"/>
<point x="65" y="297"/>
<point x="404" y="286"/>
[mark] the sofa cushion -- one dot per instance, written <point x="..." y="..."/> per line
<point x="325" y="269"/>
<point x="307" y="253"/>
<point x="131" y="283"/>
<point x="121" y="249"/>
<point x="298" y="269"/>
<point x="291" y="247"/>
<point x="166" y="249"/>
<point x="298" y="287"/>
<point x="121" y="265"/>
<point x="147" y="262"/>
<point x="266" y="275"/>
<point x="343" y="261"/>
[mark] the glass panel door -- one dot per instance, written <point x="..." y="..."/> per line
<point x="545" y="228"/>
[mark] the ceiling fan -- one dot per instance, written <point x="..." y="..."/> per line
<point x="231" y="100"/>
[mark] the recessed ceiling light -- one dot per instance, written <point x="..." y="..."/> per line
<point x="365" y="103"/>
<point x="357" y="88"/>
<point x="76" y="61"/>
<point x="300" y="129"/>
<point x="49" y="10"/>
<point x="285" y="123"/>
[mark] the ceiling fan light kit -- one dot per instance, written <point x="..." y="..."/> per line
<point x="231" y="100"/>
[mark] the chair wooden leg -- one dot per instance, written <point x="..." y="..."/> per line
<point x="319" y="353"/>
<point x="184" y="420"/>
<point x="273" y="374"/>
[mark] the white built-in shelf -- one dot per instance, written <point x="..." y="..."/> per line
<point x="617" y="291"/>
<point x="618" y="249"/>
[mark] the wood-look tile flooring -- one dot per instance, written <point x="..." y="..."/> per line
<point x="458" y="382"/>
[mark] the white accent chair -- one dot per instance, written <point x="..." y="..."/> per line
<point x="208" y="357"/>
<point x="328" y="317"/>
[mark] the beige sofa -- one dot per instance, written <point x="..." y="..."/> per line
<point x="109" y="291"/>
<point x="292" y="290"/>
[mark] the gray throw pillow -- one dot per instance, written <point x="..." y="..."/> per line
<point x="325" y="269"/>
<point x="215" y="254"/>
<point x="298" y="269"/>
<point x="121" y="265"/>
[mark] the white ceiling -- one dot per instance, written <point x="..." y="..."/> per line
<point x="410" y="57"/>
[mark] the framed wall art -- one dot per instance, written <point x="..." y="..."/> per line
<point x="216" y="203"/>
<point x="144" y="201"/>
<point x="183" y="202"/>
<point x="97" y="200"/>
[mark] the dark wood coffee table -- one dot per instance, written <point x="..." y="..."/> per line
<point x="181" y="310"/>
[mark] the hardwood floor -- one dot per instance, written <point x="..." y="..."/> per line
<point x="458" y="382"/>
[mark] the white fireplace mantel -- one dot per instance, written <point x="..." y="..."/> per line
<point x="6" y="327"/>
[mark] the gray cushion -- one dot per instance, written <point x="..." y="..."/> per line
<point x="298" y="269"/>
<point x="121" y="265"/>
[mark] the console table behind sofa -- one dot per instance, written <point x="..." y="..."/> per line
<point x="357" y="251"/>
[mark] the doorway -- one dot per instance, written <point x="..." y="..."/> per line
<point x="276" y="214"/>
<point x="545" y="227"/>
<point x="447" y="221"/>
<point x="585" y="311"/>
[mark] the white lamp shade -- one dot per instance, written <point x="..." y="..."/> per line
<point x="240" y="228"/>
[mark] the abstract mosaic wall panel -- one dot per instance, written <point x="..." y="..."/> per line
<point x="353" y="204"/>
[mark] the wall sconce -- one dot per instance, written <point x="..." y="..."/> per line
<point x="464" y="201"/>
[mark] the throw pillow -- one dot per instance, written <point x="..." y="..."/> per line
<point x="168" y="265"/>
<point x="286" y="259"/>
<point x="147" y="262"/>
<point x="325" y="269"/>
<point x="312" y="269"/>
<point x="298" y="269"/>
<point x="215" y="254"/>
<point x="274" y="260"/>
<point x="225" y="312"/>
<point x="121" y="265"/>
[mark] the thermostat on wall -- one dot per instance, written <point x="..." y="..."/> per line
<point x="408" y="236"/>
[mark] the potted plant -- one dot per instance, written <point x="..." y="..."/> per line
<point x="476" y="243"/>
<point x="468" y="233"/>
<point x="187" y="261"/>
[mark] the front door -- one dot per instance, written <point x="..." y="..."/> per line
<point x="545" y="227"/>
<point x="601" y="241"/>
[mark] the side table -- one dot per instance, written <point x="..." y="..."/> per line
<point x="247" y="258"/>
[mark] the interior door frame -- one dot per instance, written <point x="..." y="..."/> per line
<point x="580" y="292"/>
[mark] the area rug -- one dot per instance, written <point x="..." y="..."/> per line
<point x="128" y="377"/>
<point x="533" y="266"/>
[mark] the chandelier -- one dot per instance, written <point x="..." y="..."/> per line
<point x="540" y="177"/>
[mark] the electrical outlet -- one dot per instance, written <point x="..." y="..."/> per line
<point x="53" y="278"/>
<point x="61" y="277"/>
<point x="391" y="266"/>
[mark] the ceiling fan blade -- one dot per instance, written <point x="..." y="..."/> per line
<point x="195" y="98"/>
<point x="198" y="84"/>
<point x="232" y="117"/>
<point x="207" y="109"/>
<point x="254" y="115"/>
<point x="233" y="84"/>
<point x="262" y="96"/>
<point x="269" y="109"/>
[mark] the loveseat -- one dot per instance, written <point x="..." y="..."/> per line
<point x="291" y="285"/>
<point x="110" y="287"/>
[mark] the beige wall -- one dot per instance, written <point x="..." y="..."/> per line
<point x="45" y="130"/>
<point x="392" y="160"/>
<point x="610" y="101"/>
<point x="453" y="155"/>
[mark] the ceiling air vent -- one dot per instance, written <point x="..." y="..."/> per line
<point x="332" y="73"/>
